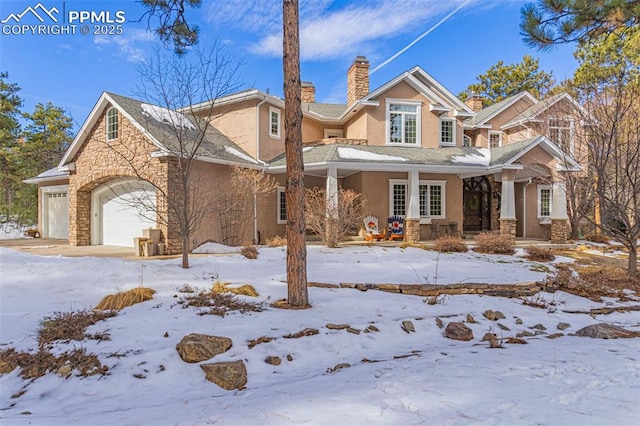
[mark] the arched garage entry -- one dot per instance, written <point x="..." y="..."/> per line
<point x="120" y="210"/>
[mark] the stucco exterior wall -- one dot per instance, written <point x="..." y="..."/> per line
<point x="356" y="128"/>
<point x="312" y="130"/>
<point x="238" y="122"/>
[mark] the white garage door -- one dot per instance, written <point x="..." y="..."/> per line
<point x="125" y="210"/>
<point x="57" y="215"/>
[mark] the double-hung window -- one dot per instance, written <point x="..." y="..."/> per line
<point x="561" y="132"/>
<point x="112" y="124"/>
<point x="544" y="201"/>
<point x="447" y="131"/>
<point x="274" y="123"/>
<point x="403" y="122"/>
<point x="281" y="205"/>
<point x="495" y="139"/>
<point x="431" y="194"/>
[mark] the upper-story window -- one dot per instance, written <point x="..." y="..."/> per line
<point x="403" y="122"/>
<point x="447" y="131"/>
<point x="561" y="132"/>
<point x="112" y="124"/>
<point x="274" y="122"/>
<point x="495" y="139"/>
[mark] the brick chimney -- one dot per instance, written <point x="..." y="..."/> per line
<point x="358" y="80"/>
<point x="308" y="92"/>
<point x="474" y="101"/>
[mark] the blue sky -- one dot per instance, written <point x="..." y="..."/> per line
<point x="72" y="70"/>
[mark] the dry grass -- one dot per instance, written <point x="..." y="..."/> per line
<point x="276" y="241"/>
<point x="42" y="362"/>
<point x="217" y="303"/>
<point x="243" y="290"/>
<point x="597" y="238"/>
<point x="594" y="281"/>
<point x="494" y="243"/>
<point x="123" y="299"/>
<point x="539" y="254"/>
<point x="450" y="244"/>
<point x="250" y="252"/>
<point x="67" y="326"/>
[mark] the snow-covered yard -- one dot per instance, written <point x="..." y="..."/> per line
<point x="418" y="378"/>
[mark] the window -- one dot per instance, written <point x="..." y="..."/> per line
<point x="282" y="205"/>
<point x="544" y="201"/>
<point x="274" y="123"/>
<point x="447" y="131"/>
<point x="112" y="124"/>
<point x="495" y="139"/>
<point x="561" y="132"/>
<point x="403" y="122"/>
<point x="432" y="198"/>
<point x="332" y="133"/>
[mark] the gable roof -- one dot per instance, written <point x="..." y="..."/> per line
<point x="441" y="98"/>
<point x="160" y="126"/>
<point x="507" y="155"/>
<point x="534" y="110"/>
<point x="486" y="114"/>
<point x="325" y="110"/>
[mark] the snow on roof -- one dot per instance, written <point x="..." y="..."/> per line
<point x="164" y="115"/>
<point x="357" y="154"/>
<point x="483" y="157"/>
<point x="239" y="154"/>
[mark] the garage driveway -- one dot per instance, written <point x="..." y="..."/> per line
<point x="55" y="247"/>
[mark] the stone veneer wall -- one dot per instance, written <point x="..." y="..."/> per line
<point x="98" y="162"/>
<point x="358" y="80"/>
<point x="559" y="231"/>
<point x="494" y="187"/>
<point x="508" y="227"/>
<point x="412" y="231"/>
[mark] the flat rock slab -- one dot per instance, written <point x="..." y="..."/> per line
<point x="201" y="347"/>
<point x="227" y="375"/>
<point x="606" y="331"/>
<point x="458" y="331"/>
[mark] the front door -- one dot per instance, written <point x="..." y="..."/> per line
<point x="476" y="204"/>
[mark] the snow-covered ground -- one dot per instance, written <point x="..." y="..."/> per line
<point x="565" y="381"/>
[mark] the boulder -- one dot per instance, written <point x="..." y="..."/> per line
<point x="493" y="315"/>
<point x="227" y="375"/>
<point x="563" y="325"/>
<point x="458" y="331"/>
<point x="605" y="331"/>
<point x="407" y="326"/>
<point x="471" y="319"/>
<point x="200" y="347"/>
<point x="273" y="360"/>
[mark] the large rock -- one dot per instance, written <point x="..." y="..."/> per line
<point x="227" y="375"/>
<point x="605" y="331"/>
<point x="200" y="347"/>
<point x="493" y="315"/>
<point x="458" y="331"/>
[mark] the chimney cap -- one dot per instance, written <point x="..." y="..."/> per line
<point x="306" y="84"/>
<point x="361" y="60"/>
<point x="473" y="94"/>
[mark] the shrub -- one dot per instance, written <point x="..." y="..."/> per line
<point x="276" y="241"/>
<point x="68" y="326"/>
<point x="123" y="299"/>
<point x="539" y="254"/>
<point x="494" y="243"/>
<point x="450" y="244"/>
<point x="250" y="252"/>
<point x="597" y="238"/>
<point x="244" y="290"/>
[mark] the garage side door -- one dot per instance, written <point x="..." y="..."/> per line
<point x="124" y="217"/>
<point x="57" y="215"/>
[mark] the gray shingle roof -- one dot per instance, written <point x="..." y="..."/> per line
<point x="484" y="113"/>
<point x="215" y="145"/>
<point x="326" y="110"/>
<point x="534" y="110"/>
<point x="450" y="156"/>
<point x="502" y="154"/>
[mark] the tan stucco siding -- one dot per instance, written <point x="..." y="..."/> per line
<point x="509" y="113"/>
<point x="312" y="130"/>
<point x="270" y="146"/>
<point x="238" y="122"/>
<point x="356" y="128"/>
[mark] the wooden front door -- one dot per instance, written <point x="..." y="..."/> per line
<point x="476" y="204"/>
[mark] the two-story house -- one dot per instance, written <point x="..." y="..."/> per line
<point x="410" y="146"/>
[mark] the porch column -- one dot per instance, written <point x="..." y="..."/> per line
<point x="332" y="203"/>
<point x="412" y="216"/>
<point x="559" y="217"/>
<point x="508" y="204"/>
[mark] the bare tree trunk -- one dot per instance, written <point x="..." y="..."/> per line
<point x="296" y="248"/>
<point x="185" y="251"/>
<point x="632" y="266"/>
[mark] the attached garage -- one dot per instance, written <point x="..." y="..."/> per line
<point x="55" y="212"/>
<point x="121" y="209"/>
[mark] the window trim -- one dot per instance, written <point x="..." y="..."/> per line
<point x="571" y="127"/>
<point x="453" y="131"/>
<point x="418" y="105"/>
<point x="333" y="133"/>
<point x="109" y="131"/>
<point x="423" y="219"/>
<point x="540" y="189"/>
<point x="493" y="133"/>
<point x="277" y="111"/>
<point x="281" y="192"/>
